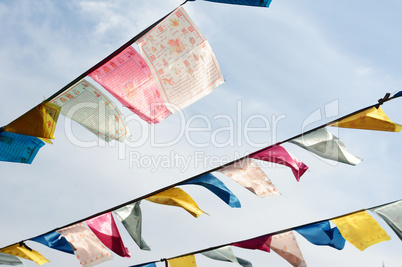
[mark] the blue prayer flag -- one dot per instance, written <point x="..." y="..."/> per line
<point x="321" y="234"/>
<point x="56" y="241"/>
<point x="18" y="147"/>
<point x="145" y="265"/>
<point x="398" y="94"/>
<point x="215" y="185"/>
<point x="263" y="3"/>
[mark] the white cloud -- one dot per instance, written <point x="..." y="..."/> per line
<point x="290" y="59"/>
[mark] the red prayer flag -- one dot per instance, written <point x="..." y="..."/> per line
<point x="262" y="243"/>
<point x="104" y="227"/>
<point x="278" y="154"/>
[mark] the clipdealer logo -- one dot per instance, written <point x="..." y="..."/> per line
<point x="220" y="131"/>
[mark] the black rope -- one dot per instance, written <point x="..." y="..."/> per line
<point x="272" y="233"/>
<point x="206" y="172"/>
<point x="109" y="57"/>
<point x="22" y="244"/>
<point x="382" y="100"/>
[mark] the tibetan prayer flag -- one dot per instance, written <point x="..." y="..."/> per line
<point x="262" y="3"/>
<point x="88" y="106"/>
<point x="177" y="197"/>
<point x="181" y="60"/>
<point x="131" y="217"/>
<point x="24" y="252"/>
<point x="370" y="119"/>
<point x="128" y="78"/>
<point x="260" y="243"/>
<point x="244" y="263"/>
<point x="39" y="122"/>
<point x="186" y="261"/>
<point x="278" y="154"/>
<point x="326" y="145"/>
<point x="247" y="173"/>
<point x="54" y="240"/>
<point x="321" y="234"/>
<point x="104" y="227"/>
<point x="88" y="249"/>
<point x="399" y="94"/>
<point x="18" y="147"/>
<point x="221" y="254"/>
<point x="361" y="229"/>
<point x="392" y="215"/>
<point x="215" y="185"/>
<point x="226" y="254"/>
<point x="6" y="259"/>
<point x="285" y="245"/>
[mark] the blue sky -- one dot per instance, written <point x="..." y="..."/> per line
<point x="282" y="65"/>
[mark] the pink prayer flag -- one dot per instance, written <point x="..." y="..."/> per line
<point x="104" y="227"/>
<point x="87" y="247"/>
<point x="128" y="78"/>
<point x="278" y="154"/>
<point x="247" y="173"/>
<point x="285" y="245"/>
<point x="261" y="243"/>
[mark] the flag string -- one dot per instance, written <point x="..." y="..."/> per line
<point x="109" y="57"/>
<point x="380" y="102"/>
<point x="271" y="233"/>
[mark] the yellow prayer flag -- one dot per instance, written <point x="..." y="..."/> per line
<point x="39" y="121"/>
<point x="177" y="197"/>
<point x="370" y="119"/>
<point x="361" y="230"/>
<point x="186" y="261"/>
<point x="25" y="253"/>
